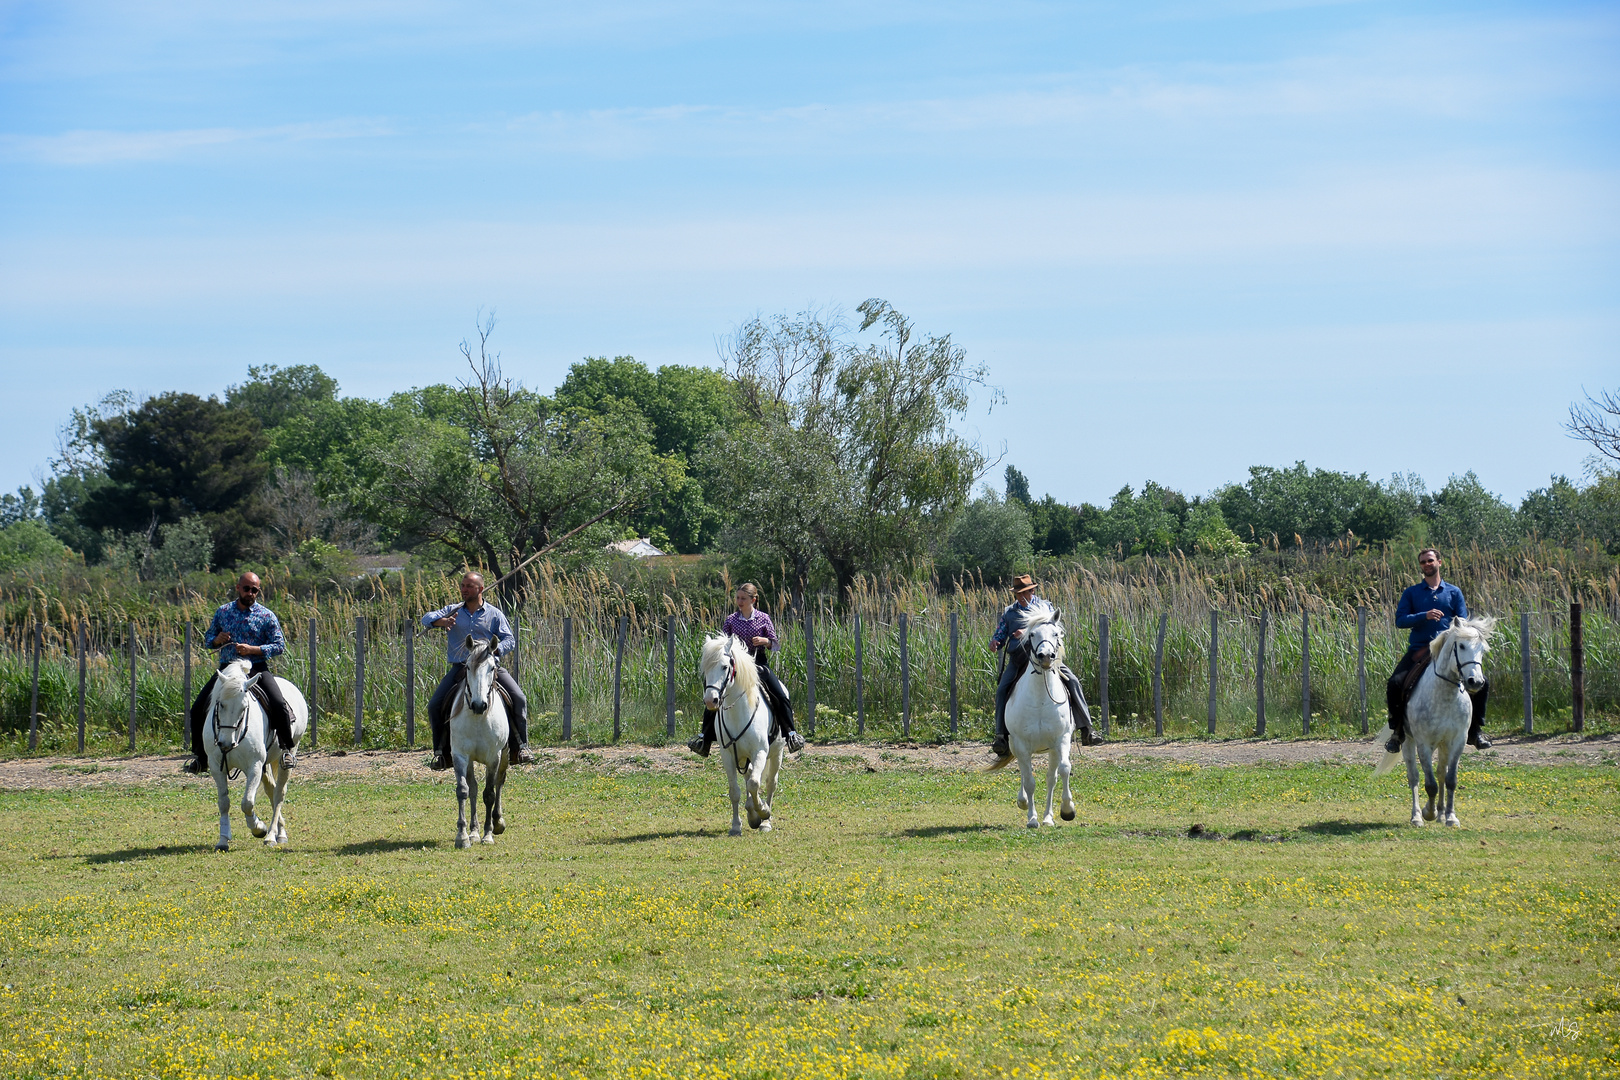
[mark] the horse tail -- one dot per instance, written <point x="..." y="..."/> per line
<point x="997" y="765"/>
<point x="1389" y="759"/>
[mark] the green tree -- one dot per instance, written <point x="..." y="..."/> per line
<point x="1466" y="513"/>
<point x="1315" y="505"/>
<point x="989" y="538"/>
<point x="179" y="455"/>
<point x="682" y="407"/>
<point x="1017" y="485"/>
<point x="272" y="394"/>
<point x="850" y="457"/>
<point x="506" y="475"/>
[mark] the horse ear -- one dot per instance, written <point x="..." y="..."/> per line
<point x="251" y="681"/>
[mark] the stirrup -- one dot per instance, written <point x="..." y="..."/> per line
<point x="795" y="742"/>
<point x="196" y="766"/>
<point x="1477" y="739"/>
<point x="1089" y="737"/>
<point x="289" y="757"/>
<point x="698" y="745"/>
<point x="521" y="756"/>
<point x="1001" y="749"/>
<point x="1393" y="746"/>
<point x="440" y="762"/>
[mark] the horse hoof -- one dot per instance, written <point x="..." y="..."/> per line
<point x="1453" y="823"/>
<point x="489" y="838"/>
<point x="500" y="826"/>
<point x="463" y="842"/>
<point x="764" y="826"/>
<point x="736" y="830"/>
<point x="1417" y="822"/>
<point x="1047" y="821"/>
<point x="1068" y="815"/>
<point x="764" y="812"/>
<point x="1032" y="823"/>
<point x="1023" y="803"/>
<point x="222" y="847"/>
<point x="260" y="831"/>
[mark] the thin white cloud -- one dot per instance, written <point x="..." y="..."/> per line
<point x="114" y="147"/>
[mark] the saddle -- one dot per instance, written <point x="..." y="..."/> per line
<point x="461" y="690"/>
<point x="1420" y="660"/>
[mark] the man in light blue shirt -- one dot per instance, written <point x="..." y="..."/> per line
<point x="245" y="630"/>
<point x="480" y="621"/>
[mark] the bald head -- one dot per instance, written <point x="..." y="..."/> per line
<point x="472" y="588"/>
<point x="247" y="589"/>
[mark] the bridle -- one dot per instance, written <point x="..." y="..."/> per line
<point x="1027" y="644"/>
<point x="1459" y="663"/>
<point x="727" y="738"/>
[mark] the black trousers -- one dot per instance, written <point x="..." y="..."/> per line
<point x="280" y="720"/>
<point x="1395" y="695"/>
<point x="776" y="696"/>
<point x="1017" y="664"/>
<point x="517" y="731"/>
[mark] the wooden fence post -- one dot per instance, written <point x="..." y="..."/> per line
<point x="1102" y="668"/>
<point x="954" y="708"/>
<point x="1524" y="672"/>
<point x="33" y="698"/>
<point x="1260" y="678"/>
<point x="517" y="652"/>
<point x="410" y="686"/>
<point x="1361" y="663"/>
<point x="568" y="678"/>
<point x="1577" y="668"/>
<point x="185" y="691"/>
<point x="82" y="647"/>
<point x="314" y="683"/>
<point x="860" y="684"/>
<point x="133" y="687"/>
<point x="618" y="682"/>
<point x="810" y="673"/>
<point x="1305" y="671"/>
<point x="359" y="679"/>
<point x="669" y="679"/>
<point x="1214" y="670"/>
<point x="905" y="681"/>
<point x="1158" y="678"/>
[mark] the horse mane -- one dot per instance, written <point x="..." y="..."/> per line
<point x="232" y="678"/>
<point x="1048" y="614"/>
<point x="747" y="677"/>
<point x="1483" y="625"/>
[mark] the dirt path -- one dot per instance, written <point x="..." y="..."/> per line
<point x="60" y="772"/>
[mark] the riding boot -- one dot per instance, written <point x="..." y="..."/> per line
<point x="1009" y="675"/>
<point x="1476" y="736"/>
<point x="781" y="707"/>
<point x="1395" y="698"/>
<point x="699" y="744"/>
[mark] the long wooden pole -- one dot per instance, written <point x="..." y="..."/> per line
<point x="359" y="679"/>
<point x="568" y="678"/>
<point x="33" y="699"/>
<point x="860" y="685"/>
<point x="314" y="683"/>
<point x="1260" y="678"/>
<point x="955" y="711"/>
<point x="1102" y="668"/>
<point x="185" y="691"/>
<point x="1305" y="671"/>
<point x="410" y="686"/>
<point x="1214" y="666"/>
<point x="669" y="678"/>
<point x="1577" y="668"/>
<point x="133" y="690"/>
<point x="82" y="660"/>
<point x="1361" y="663"/>
<point x="810" y="672"/>
<point x="905" y="681"/>
<point x="1158" y="678"/>
<point x="1524" y="672"/>
<point x="618" y="675"/>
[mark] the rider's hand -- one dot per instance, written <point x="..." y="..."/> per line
<point x="1017" y="633"/>
<point x="247" y="650"/>
<point x="760" y="641"/>
<point x="221" y="638"/>
<point x="444" y="623"/>
<point x="1435" y="614"/>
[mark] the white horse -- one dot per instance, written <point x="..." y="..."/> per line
<point x="478" y="731"/>
<point x="1439" y="712"/>
<point x="742" y="726"/>
<point x="1038" y="717"/>
<point x="237" y="735"/>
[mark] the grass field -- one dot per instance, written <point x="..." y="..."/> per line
<point x="897" y="924"/>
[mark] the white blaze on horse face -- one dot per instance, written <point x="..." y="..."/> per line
<point x="480" y="678"/>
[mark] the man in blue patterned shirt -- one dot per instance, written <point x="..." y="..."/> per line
<point x="245" y="629"/>
<point x="480" y="621"/>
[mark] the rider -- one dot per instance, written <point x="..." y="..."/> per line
<point x="1013" y="620"/>
<point x="1427" y="608"/>
<point x="474" y="618"/>
<point x="755" y="628"/>
<point x="245" y="630"/>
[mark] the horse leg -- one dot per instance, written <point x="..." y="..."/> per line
<point x="224" y="788"/>
<point x="1409" y="752"/>
<point x="1430" y="786"/>
<point x="773" y="767"/>
<point x="463" y="796"/>
<point x="758" y="812"/>
<point x="736" y="793"/>
<point x="499" y="815"/>
<point x="1051" y="784"/>
<point x="490" y="772"/>
<point x="278" y="791"/>
<point x="1452" y="757"/>
<point x="254" y="775"/>
<point x="1026" y="789"/>
<point x="1067" y="810"/>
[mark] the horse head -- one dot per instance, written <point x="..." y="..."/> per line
<point x="481" y="663"/>
<point x="726" y="661"/>
<point x="1467" y="642"/>
<point x="1045" y="644"/>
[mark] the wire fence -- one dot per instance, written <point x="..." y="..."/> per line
<point x="885" y="671"/>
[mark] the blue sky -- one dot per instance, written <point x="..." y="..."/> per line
<point x="1185" y="237"/>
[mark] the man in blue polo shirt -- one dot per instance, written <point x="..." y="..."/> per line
<point x="1427" y="609"/>
<point x="482" y="622"/>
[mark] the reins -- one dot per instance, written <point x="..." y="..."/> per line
<point x="1457" y="662"/>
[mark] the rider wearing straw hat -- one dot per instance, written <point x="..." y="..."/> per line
<point x="1011" y="628"/>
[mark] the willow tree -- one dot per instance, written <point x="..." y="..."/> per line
<point x="849" y="455"/>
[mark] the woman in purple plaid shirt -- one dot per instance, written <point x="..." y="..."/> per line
<point x="756" y="629"/>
